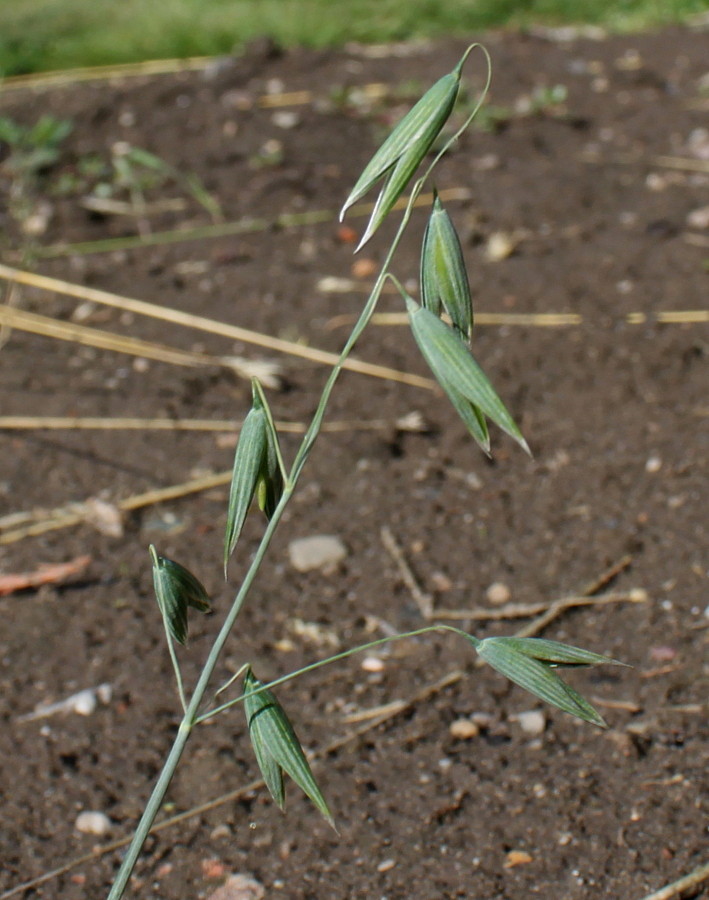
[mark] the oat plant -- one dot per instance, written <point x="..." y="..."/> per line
<point x="442" y="325"/>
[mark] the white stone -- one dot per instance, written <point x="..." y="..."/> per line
<point x="533" y="721"/>
<point x="373" y="664"/>
<point x="91" y="822"/>
<point x="653" y="464"/>
<point x="239" y="887"/>
<point x="321" y="551"/>
<point x="498" y="593"/>
<point x="83" y="703"/>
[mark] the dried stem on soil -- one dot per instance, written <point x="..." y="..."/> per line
<point x="693" y="880"/>
<point x="210" y="326"/>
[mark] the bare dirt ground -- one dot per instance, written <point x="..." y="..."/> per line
<point x="588" y="201"/>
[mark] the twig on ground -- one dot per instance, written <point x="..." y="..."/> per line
<point x="692" y="880"/>
<point x="62" y="77"/>
<point x="592" y="588"/>
<point x="95" y="337"/>
<point x="49" y="573"/>
<point x="539" y="320"/>
<point x="533" y="320"/>
<point x="685" y="163"/>
<point x="211" y="326"/>
<point x="111" y="423"/>
<point x="525" y="610"/>
<point x="75" y="513"/>
<point x="12" y="301"/>
<point x="423" y="600"/>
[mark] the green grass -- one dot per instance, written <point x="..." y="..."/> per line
<point x="40" y="35"/>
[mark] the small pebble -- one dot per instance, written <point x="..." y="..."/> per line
<point x="699" y="218"/>
<point x="498" y="593"/>
<point x="662" y="653"/>
<point x="239" y="887"/>
<point x="89" y="822"/>
<point x="499" y="246"/>
<point x="441" y="582"/>
<point x="532" y="721"/>
<point x="463" y="729"/>
<point x="386" y="865"/>
<point x="654" y="464"/>
<point x="84" y="703"/>
<point x="373" y="664"/>
<point x="517" y="858"/>
<point x="285" y="119"/>
<point x="364" y="268"/>
<point x="213" y="869"/>
<point x="322" y="551"/>
<point x="482" y="719"/>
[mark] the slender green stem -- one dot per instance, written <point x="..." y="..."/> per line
<point x="191" y="716"/>
<point x="361" y="648"/>
<point x="227" y="684"/>
<point x="191" y="712"/>
<point x="150" y="812"/>
<point x="314" y="428"/>
<point x="176" y="667"/>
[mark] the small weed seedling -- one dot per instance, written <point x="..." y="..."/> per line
<point x="133" y="171"/>
<point x="442" y="326"/>
<point x="25" y="153"/>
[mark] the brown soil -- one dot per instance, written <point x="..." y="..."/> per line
<point x="615" y="413"/>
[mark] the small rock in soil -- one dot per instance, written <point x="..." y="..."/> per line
<point x="386" y="865"/>
<point x="463" y="729"/>
<point x="321" y="551"/>
<point x="517" y="858"/>
<point x="373" y="664"/>
<point x="498" y="593"/>
<point x="91" y="822"/>
<point x="699" y="218"/>
<point x="239" y="887"/>
<point x="653" y="464"/>
<point x="499" y="246"/>
<point x="105" y="517"/>
<point x="533" y="721"/>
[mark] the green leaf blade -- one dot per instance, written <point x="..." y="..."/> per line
<point x="276" y="743"/>
<point x="454" y="367"/>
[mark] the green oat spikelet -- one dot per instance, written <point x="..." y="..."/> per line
<point x="176" y="589"/>
<point x="277" y="747"/>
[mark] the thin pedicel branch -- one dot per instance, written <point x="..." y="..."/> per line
<point x="352" y="651"/>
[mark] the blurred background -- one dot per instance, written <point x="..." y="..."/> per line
<point x="41" y="35"/>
